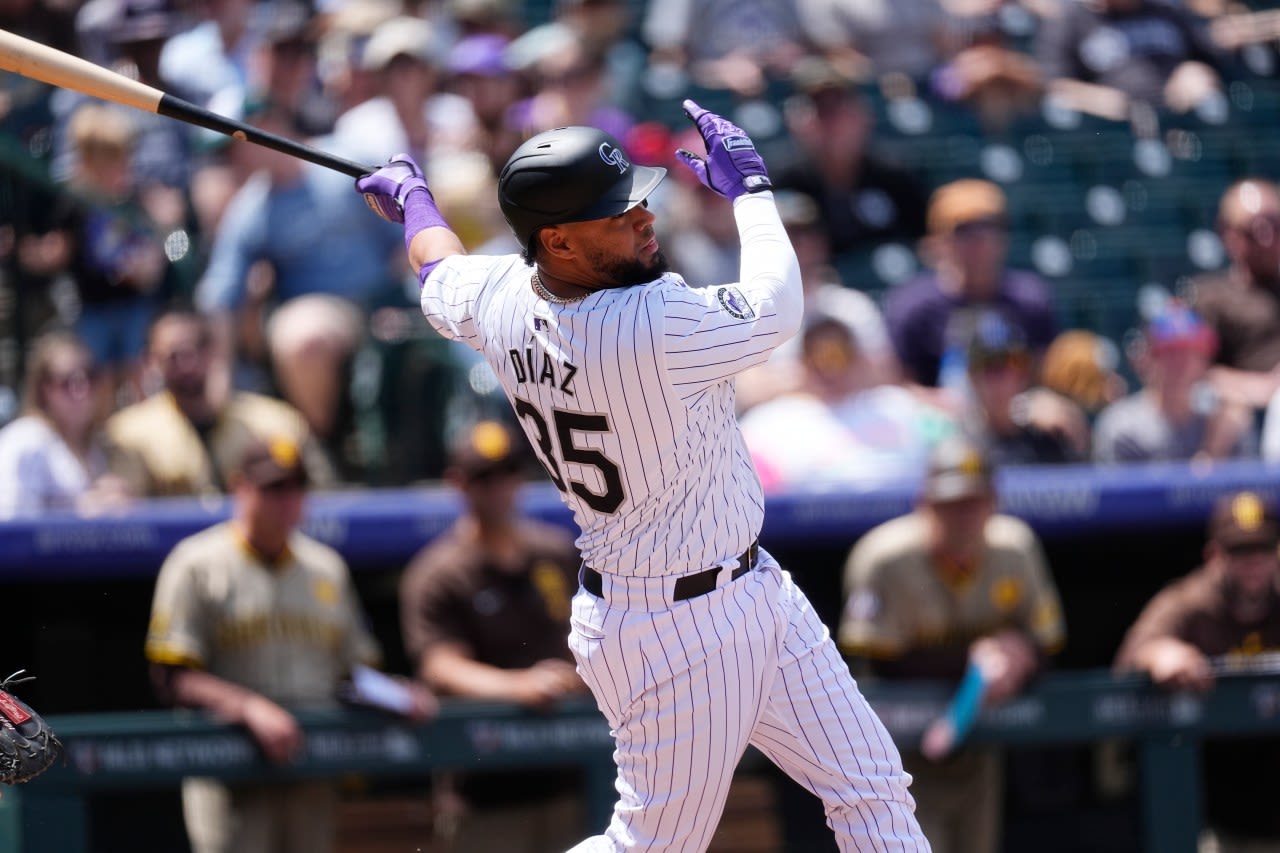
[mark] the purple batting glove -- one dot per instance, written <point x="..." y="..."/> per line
<point x="732" y="166"/>
<point x="386" y="189"/>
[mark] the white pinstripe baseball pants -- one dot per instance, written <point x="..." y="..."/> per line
<point x="687" y="686"/>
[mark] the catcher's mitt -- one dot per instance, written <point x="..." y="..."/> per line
<point x="27" y="745"/>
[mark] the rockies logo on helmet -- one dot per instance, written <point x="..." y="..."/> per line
<point x="614" y="157"/>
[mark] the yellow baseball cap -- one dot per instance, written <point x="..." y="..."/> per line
<point x="968" y="200"/>
<point x="958" y="468"/>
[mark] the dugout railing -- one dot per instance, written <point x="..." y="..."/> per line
<point x="154" y="749"/>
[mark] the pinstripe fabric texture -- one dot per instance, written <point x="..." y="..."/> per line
<point x="627" y="398"/>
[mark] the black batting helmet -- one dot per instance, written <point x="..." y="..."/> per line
<point x="570" y="174"/>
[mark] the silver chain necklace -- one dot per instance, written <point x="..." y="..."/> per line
<point x="541" y="289"/>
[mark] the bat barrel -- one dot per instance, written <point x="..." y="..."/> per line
<point x="185" y="111"/>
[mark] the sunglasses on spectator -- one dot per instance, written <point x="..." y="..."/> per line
<point x="571" y="76"/>
<point x="75" y="383"/>
<point x="978" y="228"/>
<point x="289" y="485"/>
<point x="1261" y="230"/>
<point x="997" y="361"/>
<point x="486" y="476"/>
<point x="1249" y="549"/>
<point x="186" y="353"/>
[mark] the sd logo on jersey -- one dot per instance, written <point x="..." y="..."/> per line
<point x="735" y="303"/>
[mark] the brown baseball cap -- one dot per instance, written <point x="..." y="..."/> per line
<point x="1244" y="520"/>
<point x="959" y="468"/>
<point x="266" y="461"/>
<point x="487" y="447"/>
<point x="967" y="200"/>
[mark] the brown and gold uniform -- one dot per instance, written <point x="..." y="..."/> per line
<point x="1239" y="802"/>
<point x="507" y="619"/>
<point x="290" y="630"/>
<point x="900" y="600"/>
<point x="161" y="453"/>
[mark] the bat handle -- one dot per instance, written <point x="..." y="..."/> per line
<point x="177" y="108"/>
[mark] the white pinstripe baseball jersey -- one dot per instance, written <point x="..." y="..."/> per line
<point x="626" y="396"/>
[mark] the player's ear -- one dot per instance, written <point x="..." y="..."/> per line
<point x="555" y="241"/>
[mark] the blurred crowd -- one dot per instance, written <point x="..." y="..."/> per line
<point x="165" y="288"/>
<point x="181" y="314"/>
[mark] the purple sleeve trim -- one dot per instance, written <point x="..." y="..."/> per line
<point x="420" y="213"/>
<point x="426" y="270"/>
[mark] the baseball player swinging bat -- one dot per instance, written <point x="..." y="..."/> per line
<point x="40" y="62"/>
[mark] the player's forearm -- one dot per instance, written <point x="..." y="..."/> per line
<point x="428" y="238"/>
<point x="769" y="271"/>
<point x="455" y="675"/>
<point x="431" y="246"/>
<point x="1143" y="655"/>
<point x="193" y="688"/>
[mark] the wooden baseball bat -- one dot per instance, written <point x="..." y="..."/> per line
<point x="41" y="62"/>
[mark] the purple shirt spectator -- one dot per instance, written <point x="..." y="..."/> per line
<point x="925" y="323"/>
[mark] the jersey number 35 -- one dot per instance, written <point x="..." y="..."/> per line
<point x="566" y="424"/>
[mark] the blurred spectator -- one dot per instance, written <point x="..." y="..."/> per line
<point x="211" y="64"/>
<point x="1214" y="621"/>
<point x="329" y="262"/>
<point x="1019" y="423"/>
<point x="105" y="239"/>
<point x="839" y="425"/>
<point x="478" y="71"/>
<point x="725" y="44"/>
<point x="347" y="28"/>
<point x="1269" y="443"/>
<point x="864" y="199"/>
<point x="824" y="295"/>
<point x="948" y="587"/>
<point x="465" y="188"/>
<point x="700" y="235"/>
<point x="183" y="440"/>
<point x="931" y="317"/>
<point x="289" y="70"/>
<point x="485" y="615"/>
<point x="1083" y="367"/>
<point x="127" y="36"/>
<point x="1176" y="415"/>
<point x="990" y="75"/>
<point x="471" y="17"/>
<point x="607" y="29"/>
<point x="877" y="37"/>
<point x="252" y="620"/>
<point x="1242" y="302"/>
<point x="408" y="112"/>
<point x="570" y="84"/>
<point x="51" y="458"/>
<point x="1103" y="55"/>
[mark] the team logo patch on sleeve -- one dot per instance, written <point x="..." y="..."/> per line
<point x="735" y="303"/>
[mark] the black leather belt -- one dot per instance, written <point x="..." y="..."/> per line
<point x="688" y="586"/>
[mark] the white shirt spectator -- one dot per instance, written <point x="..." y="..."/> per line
<point x="875" y="436"/>
<point x="39" y="472"/>
<point x="1271" y="431"/>
<point x="371" y="132"/>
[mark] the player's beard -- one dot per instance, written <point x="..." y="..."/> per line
<point x="626" y="272"/>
